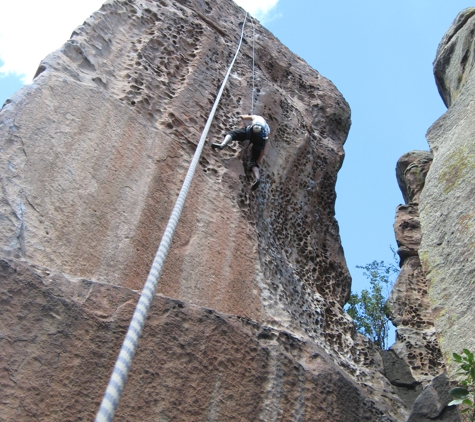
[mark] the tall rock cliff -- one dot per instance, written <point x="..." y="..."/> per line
<point x="248" y="321"/>
<point x="415" y="362"/>
<point x="411" y="313"/>
<point x="448" y="199"/>
<point x="112" y="120"/>
<point x="432" y="300"/>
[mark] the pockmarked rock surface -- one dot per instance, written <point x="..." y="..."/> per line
<point x="414" y="361"/>
<point x="94" y="161"/>
<point x="92" y="156"/>
<point x="447" y="201"/>
<point x="409" y="304"/>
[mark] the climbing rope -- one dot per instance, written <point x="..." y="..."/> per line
<point x="253" y="73"/>
<point x="121" y="369"/>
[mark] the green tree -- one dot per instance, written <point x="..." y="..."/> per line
<point x="368" y="309"/>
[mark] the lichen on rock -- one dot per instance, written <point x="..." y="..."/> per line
<point x="447" y="201"/>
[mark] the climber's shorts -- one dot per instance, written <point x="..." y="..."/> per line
<point x="258" y="145"/>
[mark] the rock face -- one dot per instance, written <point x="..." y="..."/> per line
<point x="431" y="405"/>
<point x="60" y="339"/>
<point x="416" y="340"/>
<point x="432" y="300"/>
<point x="399" y="374"/>
<point x="248" y="323"/>
<point x="415" y="360"/>
<point x="411" y="173"/>
<point x="454" y="60"/>
<point x="112" y="120"/>
<point x="447" y="202"/>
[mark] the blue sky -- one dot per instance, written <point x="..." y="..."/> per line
<point x="378" y="53"/>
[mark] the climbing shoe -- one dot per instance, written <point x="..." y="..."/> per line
<point x="256" y="184"/>
<point x="215" y="145"/>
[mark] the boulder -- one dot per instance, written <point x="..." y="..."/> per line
<point x="431" y="405"/>
<point x="398" y="373"/>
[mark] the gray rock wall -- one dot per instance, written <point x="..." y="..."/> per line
<point x="432" y="301"/>
<point x="448" y="200"/>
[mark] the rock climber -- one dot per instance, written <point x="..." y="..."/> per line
<point x="256" y="132"/>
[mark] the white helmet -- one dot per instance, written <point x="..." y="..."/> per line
<point x="257" y="128"/>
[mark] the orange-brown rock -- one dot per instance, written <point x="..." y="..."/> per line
<point x="95" y="150"/>
<point x="410" y="310"/>
<point x="60" y="338"/>
<point x="416" y="338"/>
<point x="416" y="349"/>
<point x="407" y="229"/>
<point x="93" y="154"/>
<point x="411" y="173"/>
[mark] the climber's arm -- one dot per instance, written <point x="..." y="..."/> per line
<point x="247" y="117"/>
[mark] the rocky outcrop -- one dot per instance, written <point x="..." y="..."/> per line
<point x="96" y="156"/>
<point x="428" y="403"/>
<point x="431" y="405"/>
<point x="248" y="320"/>
<point x="411" y="173"/>
<point x="432" y="300"/>
<point x="60" y="339"/>
<point x="415" y="361"/>
<point x="416" y="338"/>
<point x="454" y="60"/>
<point x="447" y="202"/>
<point x="399" y="374"/>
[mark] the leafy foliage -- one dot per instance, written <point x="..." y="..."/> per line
<point x="465" y="395"/>
<point x="368" y="309"/>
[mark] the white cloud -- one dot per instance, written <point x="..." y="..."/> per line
<point x="257" y="8"/>
<point x="31" y="29"/>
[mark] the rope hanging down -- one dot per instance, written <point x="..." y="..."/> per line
<point x="253" y="73"/>
<point x="121" y="369"/>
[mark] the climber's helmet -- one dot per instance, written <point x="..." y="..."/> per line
<point x="257" y="128"/>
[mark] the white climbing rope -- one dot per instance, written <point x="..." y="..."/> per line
<point x="121" y="369"/>
<point x="253" y="73"/>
